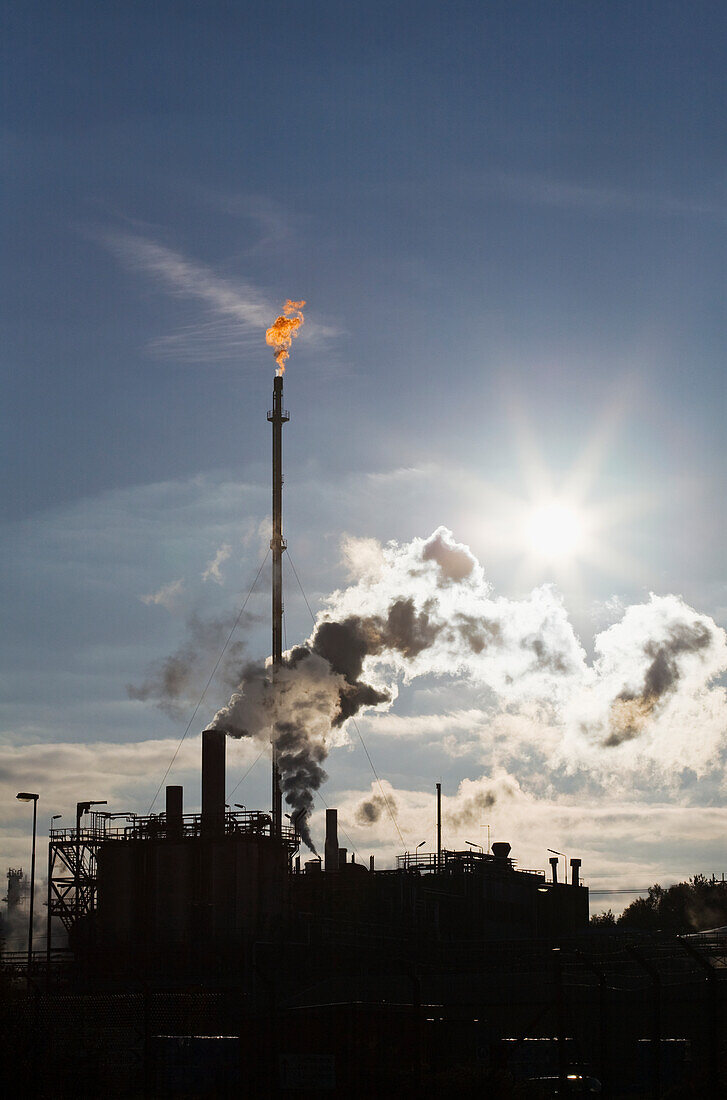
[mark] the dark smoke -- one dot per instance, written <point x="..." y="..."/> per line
<point x="370" y="810"/>
<point x="346" y="644"/>
<point x="630" y="709"/>
<point x="173" y="682"/>
<point x="472" y="809"/>
<point x="454" y="560"/>
<point x="546" y="658"/>
<point x="477" y="633"/>
<point x="328" y="683"/>
<point x="301" y="773"/>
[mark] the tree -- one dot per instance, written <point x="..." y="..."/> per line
<point x="690" y="906"/>
<point x="604" y="920"/>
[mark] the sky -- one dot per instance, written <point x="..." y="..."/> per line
<point x="508" y="225"/>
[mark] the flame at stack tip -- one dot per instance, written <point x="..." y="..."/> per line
<point x="281" y="333"/>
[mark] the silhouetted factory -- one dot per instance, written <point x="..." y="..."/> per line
<point x="209" y="958"/>
<point x="194" y="891"/>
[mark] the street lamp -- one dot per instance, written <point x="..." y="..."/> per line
<point x="25" y="796"/>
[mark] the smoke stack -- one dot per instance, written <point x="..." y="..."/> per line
<point x="439" y="826"/>
<point x="213" y="782"/>
<point x="174" y="811"/>
<point x="277" y="417"/>
<point x="342" y="857"/>
<point x="371" y="863"/>
<point x="331" y="847"/>
<point x="553" y="861"/>
<point x="501" y="849"/>
<point x="575" y="866"/>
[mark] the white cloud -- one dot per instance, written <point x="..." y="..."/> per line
<point x="213" y="571"/>
<point x="167" y="596"/>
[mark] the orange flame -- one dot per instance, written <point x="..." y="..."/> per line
<point x="280" y="334"/>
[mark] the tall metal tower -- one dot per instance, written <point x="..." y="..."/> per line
<point x="277" y="417"/>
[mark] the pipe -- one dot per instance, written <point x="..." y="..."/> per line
<point x="173" y="814"/>
<point x="330" y="850"/>
<point x="439" y="826"/>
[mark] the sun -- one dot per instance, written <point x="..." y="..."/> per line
<point x="555" y="531"/>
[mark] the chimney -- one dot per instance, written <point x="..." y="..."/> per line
<point x="174" y="812"/>
<point x="342" y="857"/>
<point x="575" y="866"/>
<point x="553" y="861"/>
<point x="371" y="863"/>
<point x="331" y="846"/>
<point x="501" y="849"/>
<point x="213" y="782"/>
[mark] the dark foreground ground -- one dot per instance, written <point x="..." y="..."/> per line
<point x="642" y="1016"/>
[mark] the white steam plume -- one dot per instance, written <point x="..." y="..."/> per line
<point x="429" y="611"/>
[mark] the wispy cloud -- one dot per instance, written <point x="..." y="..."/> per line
<point x="213" y="570"/>
<point x="167" y="596"/>
<point x="235" y="313"/>
<point x="541" y="190"/>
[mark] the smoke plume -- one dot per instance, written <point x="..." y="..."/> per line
<point x="631" y="710"/>
<point x="282" y="332"/>
<point x="429" y="611"/>
<point x="173" y="682"/>
<point x="370" y="809"/>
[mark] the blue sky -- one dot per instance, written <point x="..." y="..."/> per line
<point x="508" y="223"/>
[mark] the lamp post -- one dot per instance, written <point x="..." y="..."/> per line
<point x="25" y="796"/>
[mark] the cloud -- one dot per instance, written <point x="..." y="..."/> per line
<point x="167" y="596"/>
<point x="362" y="557"/>
<point x="541" y="190"/>
<point x="236" y="313"/>
<point x="621" y="840"/>
<point x="236" y="300"/>
<point x="212" y="572"/>
<point x="126" y="775"/>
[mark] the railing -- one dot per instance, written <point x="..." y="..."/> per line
<point x="155" y="826"/>
<point x="466" y="861"/>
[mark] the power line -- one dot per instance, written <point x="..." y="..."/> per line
<point x="240" y="781"/>
<point x="300" y="586"/>
<point x="625" y="890"/>
<point x="383" y="794"/>
<point x="209" y="681"/>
